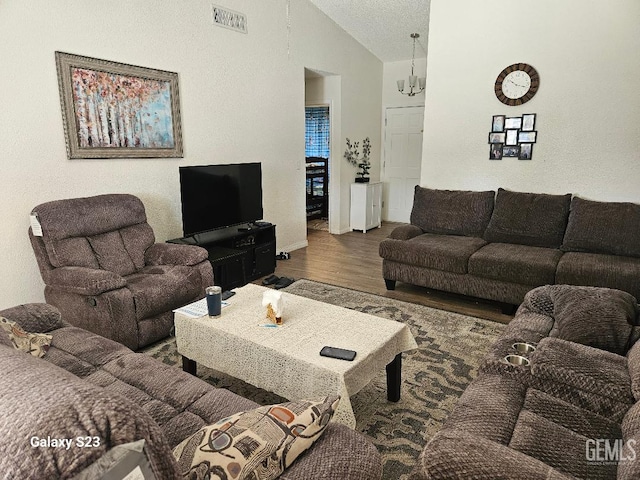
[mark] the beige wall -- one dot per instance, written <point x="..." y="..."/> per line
<point x="242" y="100"/>
<point x="587" y="106"/>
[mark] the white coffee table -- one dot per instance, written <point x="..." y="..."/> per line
<point x="286" y="360"/>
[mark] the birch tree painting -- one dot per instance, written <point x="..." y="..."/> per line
<point x="118" y="111"/>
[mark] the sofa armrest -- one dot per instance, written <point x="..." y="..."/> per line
<point x="35" y="317"/>
<point x="405" y="232"/>
<point x="85" y="281"/>
<point x="454" y="454"/>
<point x="174" y="254"/>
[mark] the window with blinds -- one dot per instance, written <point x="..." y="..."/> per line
<point x="317" y="132"/>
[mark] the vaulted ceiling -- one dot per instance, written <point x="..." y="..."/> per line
<point x="382" y="26"/>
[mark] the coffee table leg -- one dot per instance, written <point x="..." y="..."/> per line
<point x="188" y="365"/>
<point x="394" y="378"/>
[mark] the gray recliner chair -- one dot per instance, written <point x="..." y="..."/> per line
<point x="103" y="270"/>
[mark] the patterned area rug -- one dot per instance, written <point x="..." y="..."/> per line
<point x="451" y="347"/>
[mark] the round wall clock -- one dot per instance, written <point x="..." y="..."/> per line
<point x="517" y="84"/>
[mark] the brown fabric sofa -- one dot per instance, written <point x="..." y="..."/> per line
<point x="500" y="246"/>
<point x="88" y="386"/>
<point x="103" y="270"/>
<point x="574" y="412"/>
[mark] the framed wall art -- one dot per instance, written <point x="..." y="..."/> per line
<point x="115" y="110"/>
<point x="512" y="136"/>
<point x="497" y="137"/>
<point x="526" y="150"/>
<point x="497" y="124"/>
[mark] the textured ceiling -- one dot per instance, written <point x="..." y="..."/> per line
<point x="382" y="26"/>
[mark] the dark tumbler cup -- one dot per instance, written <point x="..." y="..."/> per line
<point x="214" y="300"/>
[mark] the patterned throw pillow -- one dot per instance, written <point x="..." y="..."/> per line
<point x="37" y="344"/>
<point x="256" y="445"/>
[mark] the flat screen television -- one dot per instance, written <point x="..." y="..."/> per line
<point x="218" y="196"/>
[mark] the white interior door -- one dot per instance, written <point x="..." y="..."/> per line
<point x="402" y="161"/>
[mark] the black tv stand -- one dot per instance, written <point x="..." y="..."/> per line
<point x="238" y="254"/>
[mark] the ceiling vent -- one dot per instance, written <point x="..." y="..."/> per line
<point x="223" y="17"/>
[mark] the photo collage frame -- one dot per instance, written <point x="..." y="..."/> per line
<point x="512" y="136"/>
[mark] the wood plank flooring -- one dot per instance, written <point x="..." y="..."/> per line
<point x="351" y="260"/>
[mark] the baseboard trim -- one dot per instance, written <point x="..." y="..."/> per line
<point x="295" y="246"/>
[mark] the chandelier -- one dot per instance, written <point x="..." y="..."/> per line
<point x="416" y="85"/>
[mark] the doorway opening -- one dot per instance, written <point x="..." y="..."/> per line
<point x="317" y="156"/>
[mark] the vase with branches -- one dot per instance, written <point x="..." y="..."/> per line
<point x="352" y="154"/>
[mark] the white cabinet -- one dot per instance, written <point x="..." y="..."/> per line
<point x="366" y="206"/>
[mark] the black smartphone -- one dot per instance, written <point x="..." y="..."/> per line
<point x="227" y="294"/>
<point x="339" y="353"/>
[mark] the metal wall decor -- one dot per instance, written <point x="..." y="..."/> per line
<point x="512" y="136"/>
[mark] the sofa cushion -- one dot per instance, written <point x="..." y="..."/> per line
<point x="66" y="224"/>
<point x="111" y="253"/>
<point x="599" y="317"/>
<point x="440" y="252"/>
<point x="534" y="219"/>
<point x="81" y="217"/>
<point x="177" y="401"/>
<point x="569" y="416"/>
<point x="452" y="212"/>
<point x="159" y="288"/>
<point x="629" y="464"/>
<point x="489" y="407"/>
<point x="456" y="454"/>
<point x="515" y="263"/>
<point x="600" y="270"/>
<point x="257" y="444"/>
<point x="82" y="352"/>
<point x="122" y="251"/>
<point x="557" y="446"/>
<point x="42" y="400"/>
<point x="581" y="367"/>
<point x="603" y="227"/>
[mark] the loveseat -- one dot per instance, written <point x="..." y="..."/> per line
<point x="500" y="246"/>
<point x="101" y="394"/>
<point x="571" y="410"/>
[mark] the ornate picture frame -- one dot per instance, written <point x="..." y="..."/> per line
<point x="116" y="110"/>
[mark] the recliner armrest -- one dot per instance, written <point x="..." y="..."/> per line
<point x="85" y="281"/>
<point x="35" y="317"/>
<point x="174" y="254"/>
<point x="405" y="232"/>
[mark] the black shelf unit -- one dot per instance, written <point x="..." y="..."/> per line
<point x="317" y="188"/>
<point x="238" y="254"/>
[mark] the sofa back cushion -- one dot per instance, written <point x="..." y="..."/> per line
<point x="108" y="232"/>
<point x="603" y="227"/>
<point x="534" y="219"/>
<point x="598" y="317"/>
<point x="452" y="212"/>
